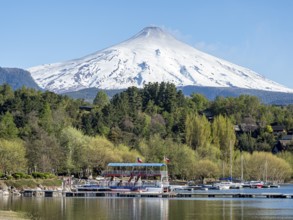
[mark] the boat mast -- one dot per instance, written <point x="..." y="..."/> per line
<point x="231" y="161"/>
<point x="266" y="170"/>
<point x="241" y="159"/>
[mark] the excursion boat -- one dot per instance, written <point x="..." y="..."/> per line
<point x="142" y="177"/>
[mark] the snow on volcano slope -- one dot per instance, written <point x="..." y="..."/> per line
<point x="152" y="55"/>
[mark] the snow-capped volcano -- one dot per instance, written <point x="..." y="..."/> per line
<point x="152" y="55"/>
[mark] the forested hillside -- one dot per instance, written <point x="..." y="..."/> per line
<point x="46" y="132"/>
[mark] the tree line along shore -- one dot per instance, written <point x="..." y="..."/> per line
<point x="43" y="132"/>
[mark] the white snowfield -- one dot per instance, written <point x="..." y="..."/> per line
<point x="152" y="55"/>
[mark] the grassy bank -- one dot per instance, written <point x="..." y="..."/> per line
<point x="32" y="183"/>
<point x="11" y="215"/>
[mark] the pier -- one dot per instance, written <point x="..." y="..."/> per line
<point x="94" y="194"/>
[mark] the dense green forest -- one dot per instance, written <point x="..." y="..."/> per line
<point x="46" y="132"/>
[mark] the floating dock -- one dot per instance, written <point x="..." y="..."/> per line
<point x="235" y="195"/>
<point x="93" y="194"/>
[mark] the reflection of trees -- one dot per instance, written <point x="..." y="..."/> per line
<point x="204" y="209"/>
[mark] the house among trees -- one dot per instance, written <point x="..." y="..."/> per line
<point x="86" y="108"/>
<point x="248" y="125"/>
<point x="278" y="130"/>
<point x="237" y="129"/>
<point x="208" y="114"/>
<point x="284" y="143"/>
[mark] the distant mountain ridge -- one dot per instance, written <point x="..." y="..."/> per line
<point x="17" y="78"/>
<point x="266" y="97"/>
<point x="152" y="55"/>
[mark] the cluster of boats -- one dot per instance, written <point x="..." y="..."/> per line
<point x="153" y="177"/>
<point x="124" y="177"/>
<point x="225" y="186"/>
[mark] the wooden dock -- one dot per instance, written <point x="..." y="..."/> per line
<point x="93" y="194"/>
<point x="235" y="195"/>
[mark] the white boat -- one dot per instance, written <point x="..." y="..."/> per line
<point x="92" y="187"/>
<point x="227" y="185"/>
<point x="253" y="184"/>
<point x="5" y="193"/>
<point x="223" y="185"/>
<point x="188" y="189"/>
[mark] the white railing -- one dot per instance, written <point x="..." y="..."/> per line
<point x="133" y="173"/>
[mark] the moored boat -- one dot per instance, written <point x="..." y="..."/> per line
<point x="92" y="187"/>
<point x="253" y="184"/>
<point x="223" y="185"/>
<point x="143" y="177"/>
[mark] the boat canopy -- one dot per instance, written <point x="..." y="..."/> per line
<point x="136" y="165"/>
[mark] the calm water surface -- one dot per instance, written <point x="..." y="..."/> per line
<point x="153" y="208"/>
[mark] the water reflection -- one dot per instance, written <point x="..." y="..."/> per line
<point x="149" y="208"/>
<point x="138" y="208"/>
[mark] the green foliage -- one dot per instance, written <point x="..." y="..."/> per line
<point x="33" y="183"/>
<point x="38" y="175"/>
<point x="205" y="169"/>
<point x="182" y="157"/>
<point x="101" y="99"/>
<point x="209" y="151"/>
<point x="246" y="142"/>
<point x="20" y="175"/>
<point x="288" y="157"/>
<point x="269" y="129"/>
<point x="262" y="166"/>
<point x="46" y="132"/>
<point x="197" y="131"/>
<point x="12" y="156"/>
<point x="46" y="119"/>
<point x="224" y="136"/>
<point x="200" y="102"/>
<point x="8" y="129"/>
<point x="6" y="93"/>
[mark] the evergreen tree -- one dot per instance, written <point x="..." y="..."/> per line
<point x="101" y="99"/>
<point x="8" y="129"/>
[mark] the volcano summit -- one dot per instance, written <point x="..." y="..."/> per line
<point x="152" y="55"/>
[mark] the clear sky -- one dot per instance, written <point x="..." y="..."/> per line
<point x="257" y="34"/>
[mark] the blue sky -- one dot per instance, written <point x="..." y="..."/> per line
<point x="257" y="34"/>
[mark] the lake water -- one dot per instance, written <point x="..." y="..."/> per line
<point x="154" y="208"/>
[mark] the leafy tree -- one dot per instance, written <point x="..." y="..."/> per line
<point x="246" y="142"/>
<point x="182" y="156"/>
<point x="205" y="169"/>
<point x="265" y="166"/>
<point x="115" y="135"/>
<point x="158" y="125"/>
<point x="183" y="159"/>
<point x="224" y="136"/>
<point x="209" y="152"/>
<point x="201" y="102"/>
<point x="12" y="156"/>
<point x="73" y="145"/>
<point x="265" y="141"/>
<point x="197" y="130"/>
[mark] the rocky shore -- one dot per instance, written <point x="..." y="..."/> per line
<point x="15" y="187"/>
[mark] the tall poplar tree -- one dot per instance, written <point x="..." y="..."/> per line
<point x="224" y="137"/>
<point x="197" y="130"/>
